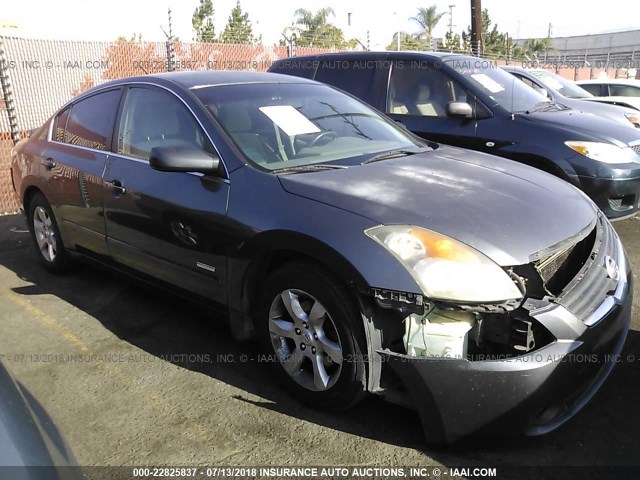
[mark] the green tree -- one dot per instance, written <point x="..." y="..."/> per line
<point x="238" y="28"/>
<point x="493" y="41"/>
<point x="202" y="21"/>
<point x="136" y="37"/>
<point x="407" y="42"/>
<point x="315" y="30"/>
<point x="428" y="19"/>
<point x="453" y="43"/>
<point x="535" y="47"/>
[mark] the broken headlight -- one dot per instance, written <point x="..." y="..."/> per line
<point x="444" y="268"/>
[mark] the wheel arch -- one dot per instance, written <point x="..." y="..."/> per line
<point x="253" y="263"/>
<point x="28" y="195"/>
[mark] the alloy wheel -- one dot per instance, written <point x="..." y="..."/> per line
<point x="45" y="234"/>
<point x="305" y="340"/>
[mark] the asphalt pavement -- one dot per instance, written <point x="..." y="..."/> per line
<point x="136" y="377"/>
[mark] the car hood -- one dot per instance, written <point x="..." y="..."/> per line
<point x="607" y="110"/>
<point x="631" y="102"/>
<point x="506" y="210"/>
<point x="586" y="126"/>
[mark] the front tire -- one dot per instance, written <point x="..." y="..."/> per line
<point x="46" y="235"/>
<point x="312" y="332"/>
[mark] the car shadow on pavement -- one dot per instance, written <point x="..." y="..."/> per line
<point x="604" y="433"/>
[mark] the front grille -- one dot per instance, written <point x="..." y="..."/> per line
<point x="592" y="284"/>
<point x="620" y="204"/>
<point x="636" y="148"/>
<point x="615" y="203"/>
<point x="550" y="266"/>
<point x="560" y="268"/>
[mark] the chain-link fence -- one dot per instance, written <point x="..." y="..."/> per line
<point x="39" y="76"/>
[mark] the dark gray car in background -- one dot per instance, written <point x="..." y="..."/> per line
<point x="470" y="102"/>
<point x="466" y="286"/>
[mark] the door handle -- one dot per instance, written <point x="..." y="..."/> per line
<point x="117" y="187"/>
<point x="48" y="163"/>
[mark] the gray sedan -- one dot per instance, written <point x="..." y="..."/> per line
<point x="565" y="92"/>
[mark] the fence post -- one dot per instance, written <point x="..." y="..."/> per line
<point x="292" y="45"/>
<point x="170" y="55"/>
<point x="5" y="85"/>
<point x="170" y="52"/>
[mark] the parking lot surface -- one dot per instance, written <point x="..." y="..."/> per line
<point x="135" y="377"/>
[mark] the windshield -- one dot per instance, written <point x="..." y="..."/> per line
<point x="502" y="87"/>
<point x="279" y="126"/>
<point x="561" y="85"/>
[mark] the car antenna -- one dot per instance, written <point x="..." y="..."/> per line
<point x="513" y="84"/>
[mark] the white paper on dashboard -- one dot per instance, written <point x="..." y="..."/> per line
<point x="290" y="120"/>
<point x="487" y="82"/>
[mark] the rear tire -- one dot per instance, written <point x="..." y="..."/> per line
<point x="312" y="334"/>
<point x="46" y="235"/>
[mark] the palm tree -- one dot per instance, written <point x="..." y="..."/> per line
<point x="316" y="29"/>
<point x="313" y="21"/>
<point x="535" y="46"/>
<point x="427" y="18"/>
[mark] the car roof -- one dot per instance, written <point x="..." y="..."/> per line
<point x="204" y="78"/>
<point x="191" y="79"/>
<point x="383" y="53"/>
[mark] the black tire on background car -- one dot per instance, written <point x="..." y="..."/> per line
<point x="46" y="235"/>
<point x="310" y="328"/>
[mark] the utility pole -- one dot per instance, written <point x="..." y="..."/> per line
<point x="395" y="15"/>
<point x="476" y="28"/>
<point x="549" y="32"/>
<point x="451" y="25"/>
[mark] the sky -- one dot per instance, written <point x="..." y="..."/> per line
<point x="101" y="20"/>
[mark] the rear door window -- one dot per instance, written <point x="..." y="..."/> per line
<point x="624" y="91"/>
<point x="355" y="76"/>
<point x="91" y="121"/>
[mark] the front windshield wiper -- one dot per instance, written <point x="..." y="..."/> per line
<point x="306" y="168"/>
<point x="546" y="106"/>
<point x="393" y="154"/>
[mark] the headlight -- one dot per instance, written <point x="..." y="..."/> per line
<point x="444" y="268"/>
<point x="633" y="118"/>
<point x="601" y="152"/>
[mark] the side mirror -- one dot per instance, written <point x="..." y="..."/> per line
<point x="183" y="159"/>
<point x="459" y="109"/>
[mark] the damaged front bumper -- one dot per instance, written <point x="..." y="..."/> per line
<point x="532" y="393"/>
